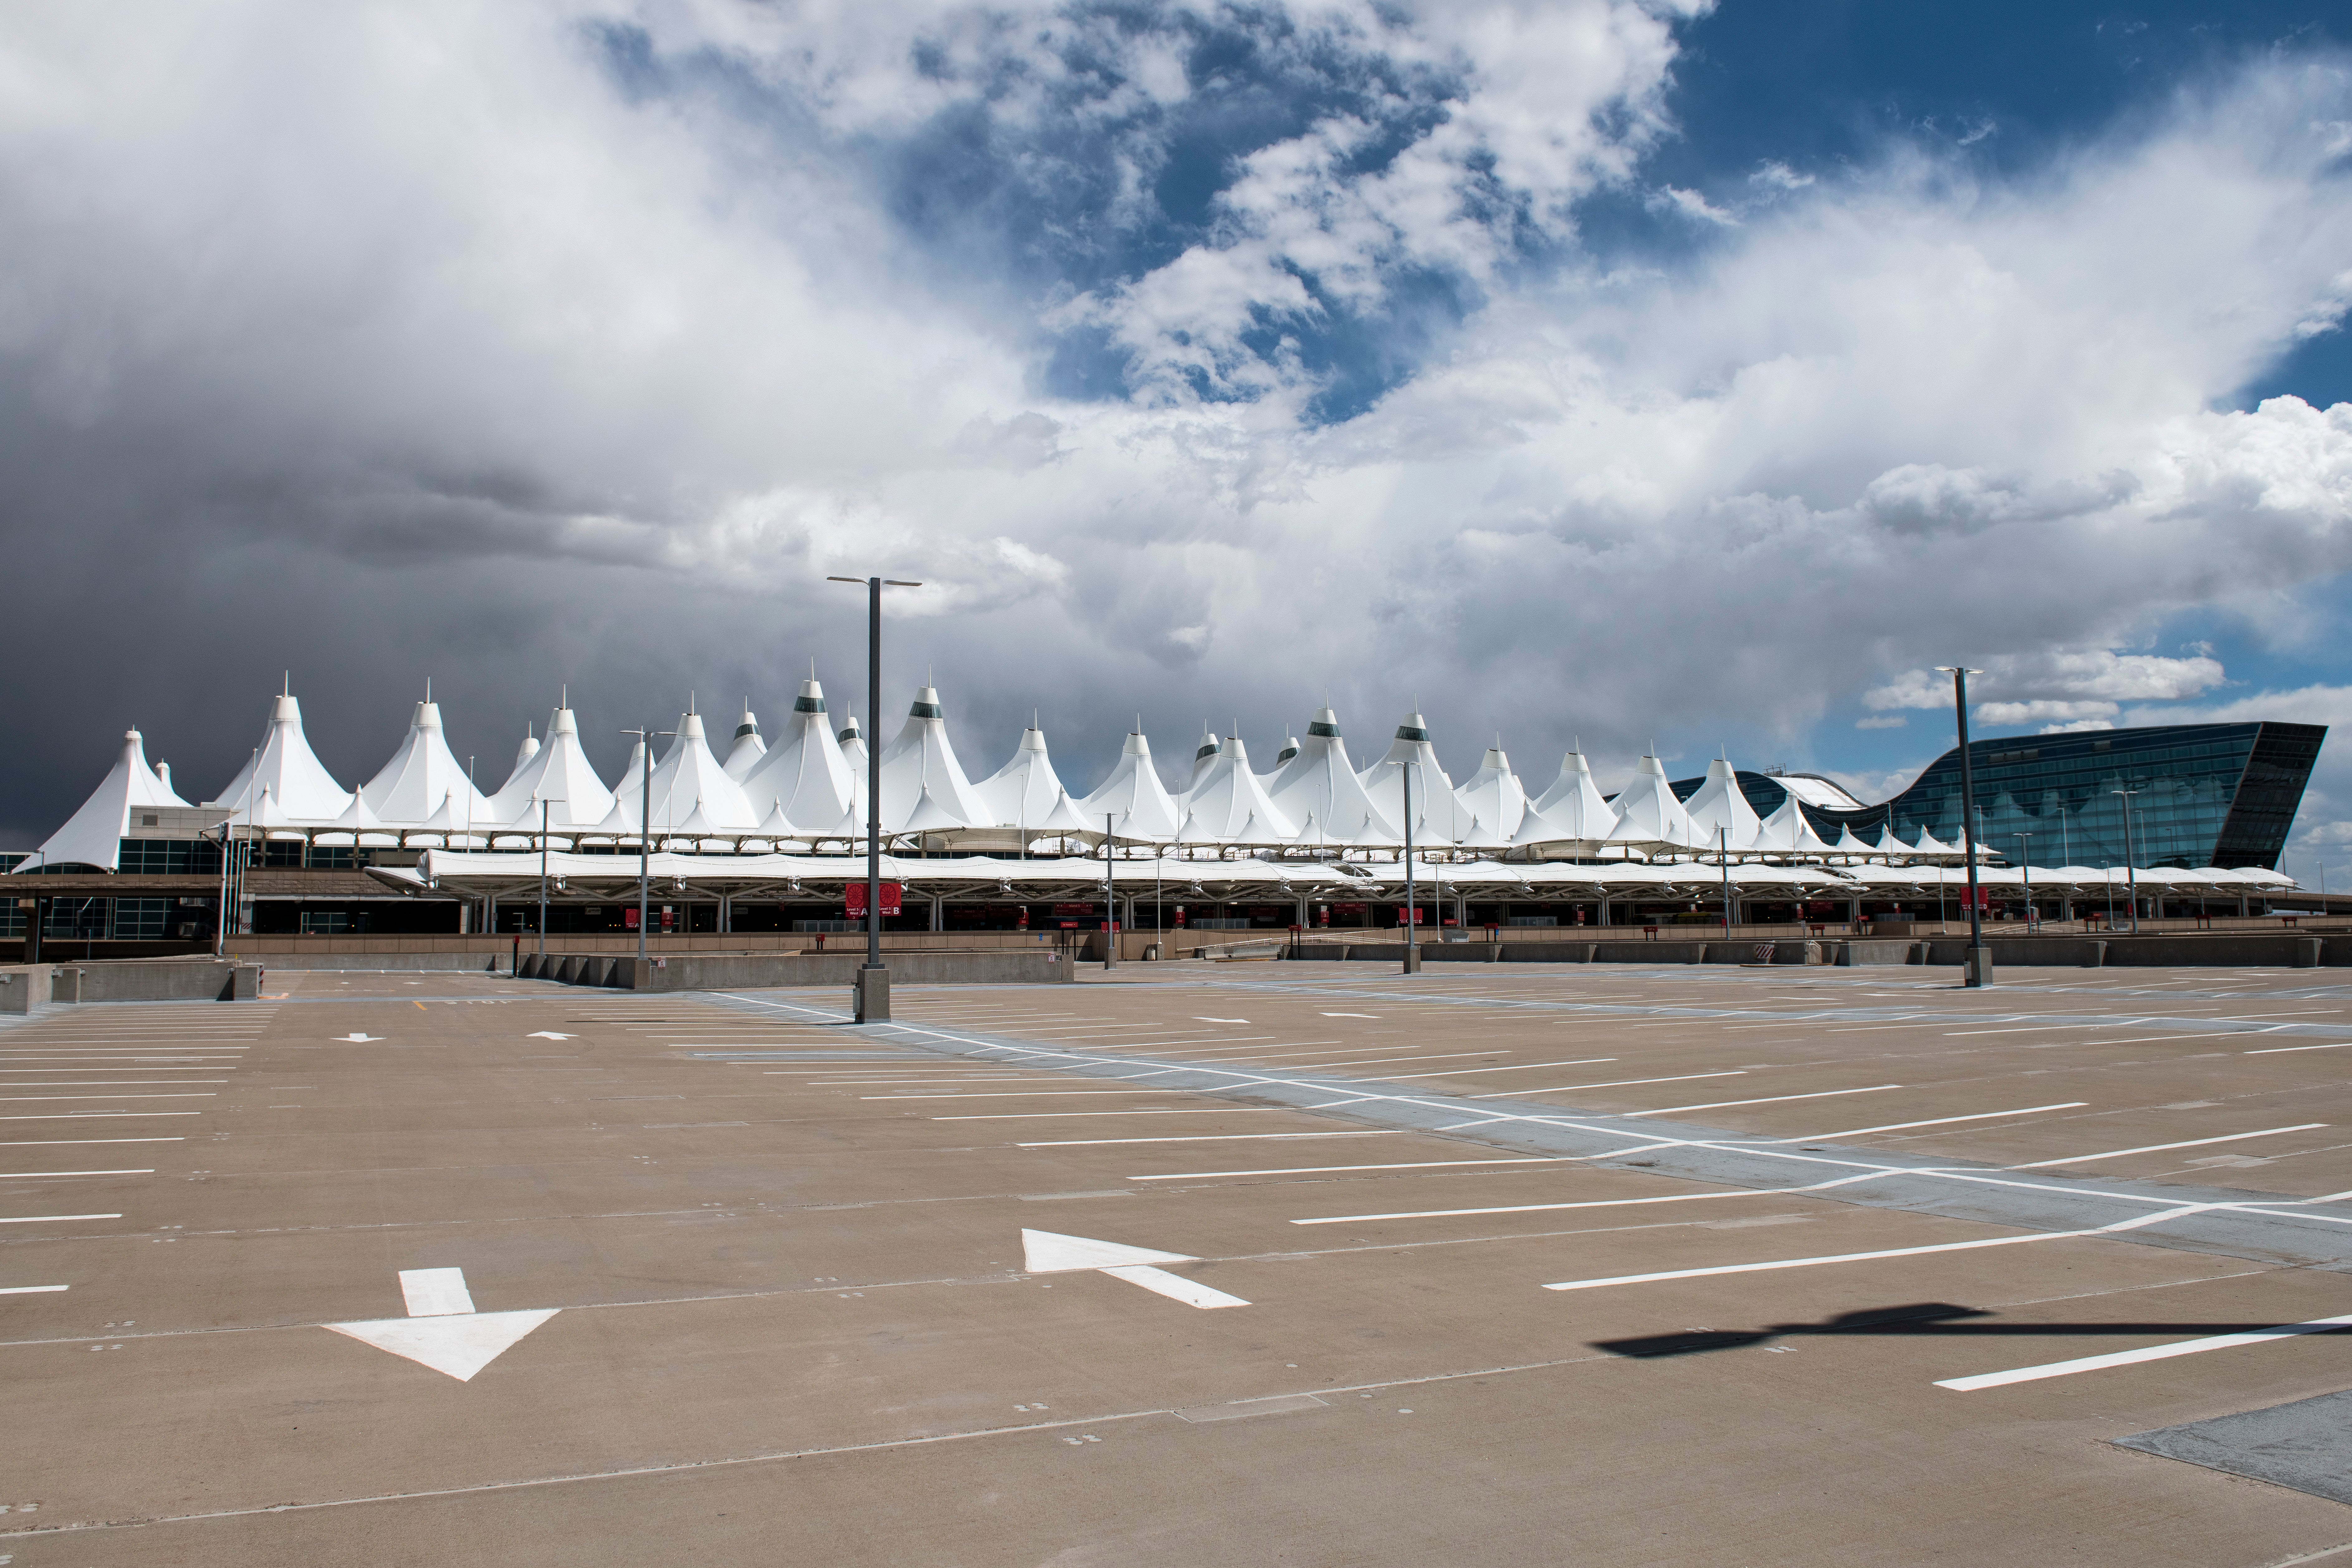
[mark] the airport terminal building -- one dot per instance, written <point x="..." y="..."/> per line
<point x="768" y="836"/>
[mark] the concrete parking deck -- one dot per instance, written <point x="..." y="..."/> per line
<point x="1249" y="1263"/>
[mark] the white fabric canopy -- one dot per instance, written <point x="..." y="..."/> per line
<point x="1493" y="798"/>
<point x="302" y="788"/>
<point x="1720" y="816"/>
<point x="1437" y="816"/>
<point x="922" y="760"/>
<point x="559" y="773"/>
<point x="1134" y="797"/>
<point x="1319" y="784"/>
<point x="749" y="748"/>
<point x="421" y="774"/>
<point x="1648" y="815"/>
<point x="93" y="835"/>
<point x="805" y="773"/>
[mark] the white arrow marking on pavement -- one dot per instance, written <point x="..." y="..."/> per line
<point x="549" y="1035"/>
<point x="442" y="1330"/>
<point x="359" y="1039"/>
<point x="1044" y="1252"/>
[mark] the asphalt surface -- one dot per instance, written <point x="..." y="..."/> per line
<point x="1197" y="1263"/>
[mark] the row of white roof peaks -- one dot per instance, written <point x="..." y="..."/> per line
<point x="809" y="788"/>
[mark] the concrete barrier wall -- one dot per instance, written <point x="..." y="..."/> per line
<point x="24" y="987"/>
<point x="721" y="970"/>
<point x="393" y="961"/>
<point x="154" y="980"/>
<point x="1874" y="950"/>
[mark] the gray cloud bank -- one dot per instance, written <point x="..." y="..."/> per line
<point x="388" y="342"/>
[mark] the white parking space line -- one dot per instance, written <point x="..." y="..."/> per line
<point x="77" y="1142"/>
<point x="1025" y="1093"/>
<point x="40" y="1099"/>
<point x="2152" y="1352"/>
<point x="1211" y="1138"/>
<point x="2159" y="1148"/>
<point x="101" y="1115"/>
<point x="1464" y="1072"/>
<point x="30" y="1290"/>
<point x="1770" y="1099"/>
<point x="52" y="1218"/>
<point x="1319" y="1169"/>
<point x="1585" y="1204"/>
<point x="2280" y="1050"/>
<point x="28" y="1175"/>
<point x="1055" y="1115"/>
<point x="1609" y="1083"/>
<point x="1938" y="1121"/>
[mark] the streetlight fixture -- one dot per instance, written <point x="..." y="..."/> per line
<point x="2131" y="862"/>
<point x="1977" y="967"/>
<point x="873" y="997"/>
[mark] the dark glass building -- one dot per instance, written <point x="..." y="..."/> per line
<point x="2208" y="795"/>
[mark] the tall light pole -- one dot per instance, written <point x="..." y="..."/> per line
<point x="1975" y="971"/>
<point x="2131" y="862"/>
<point x="1411" y="952"/>
<point x="873" y="980"/>
<point x="2025" y="874"/>
<point x="542" y="879"/>
<point x="1110" y="901"/>
<point x="645" y="831"/>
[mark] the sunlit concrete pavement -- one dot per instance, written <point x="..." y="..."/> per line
<point x="1187" y="1264"/>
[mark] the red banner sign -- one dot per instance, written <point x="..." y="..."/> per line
<point x="854" y="896"/>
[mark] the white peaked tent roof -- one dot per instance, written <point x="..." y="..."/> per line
<point x="930" y="815"/>
<point x="1229" y="796"/>
<point x="523" y="755"/>
<point x="1888" y="844"/>
<point x="1788" y="831"/>
<point x="303" y="789"/>
<point x="1648" y="814"/>
<point x="1063" y="816"/>
<point x="560" y="774"/>
<point x="1494" y="797"/>
<point x="921" y="759"/>
<point x="1134" y="797"/>
<point x="1720" y="816"/>
<point x="1436" y="813"/>
<point x="422" y="774"/>
<point x="1929" y="843"/>
<point x="1570" y="812"/>
<point x="1318" y="786"/>
<point x="851" y="738"/>
<point x="1282" y="757"/>
<point x="749" y="748"/>
<point x="93" y="835"/>
<point x="689" y="778"/>
<point x="805" y="773"/>
<point x="1204" y="757"/>
<point x="630" y="787"/>
<point x="1847" y="843"/>
<point x="1021" y="792"/>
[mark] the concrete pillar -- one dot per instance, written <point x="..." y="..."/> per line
<point x="938" y="912"/>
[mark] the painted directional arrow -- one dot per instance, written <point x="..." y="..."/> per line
<point x="442" y="1330"/>
<point x="359" y="1039"/>
<point x="1043" y="1252"/>
<point x="549" y="1035"/>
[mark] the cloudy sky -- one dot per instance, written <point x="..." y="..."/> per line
<point x="1629" y="370"/>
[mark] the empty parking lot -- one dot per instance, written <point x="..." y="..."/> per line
<point x="1281" y="1262"/>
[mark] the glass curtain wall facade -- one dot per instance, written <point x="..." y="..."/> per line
<point x="2209" y="794"/>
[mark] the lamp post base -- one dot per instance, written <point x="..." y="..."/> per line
<point x="872" y="994"/>
<point x="1413" y="960"/>
<point x="1976" y="966"/>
